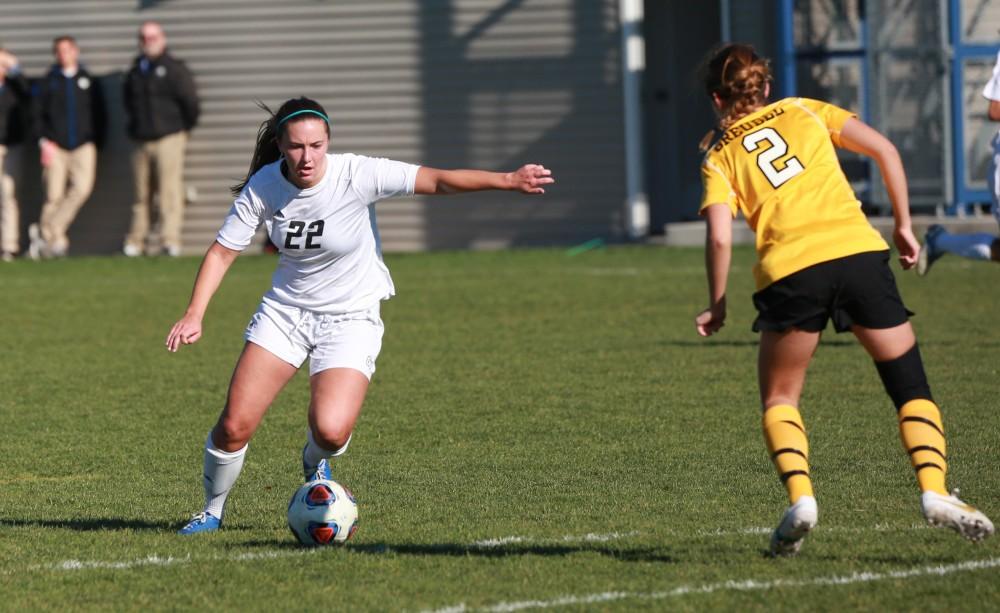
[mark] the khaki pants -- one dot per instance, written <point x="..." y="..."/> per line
<point x="159" y="162"/>
<point x="68" y="179"/>
<point x="9" y="232"/>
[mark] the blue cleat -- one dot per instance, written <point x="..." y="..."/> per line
<point x="201" y="522"/>
<point x="319" y="472"/>
<point x="929" y="253"/>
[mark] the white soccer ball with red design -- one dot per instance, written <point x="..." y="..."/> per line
<point x="323" y="512"/>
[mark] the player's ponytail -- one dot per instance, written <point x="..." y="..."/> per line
<point x="739" y="77"/>
<point x="266" y="151"/>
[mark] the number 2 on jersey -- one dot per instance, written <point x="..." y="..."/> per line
<point x="295" y="230"/>
<point x="767" y="161"/>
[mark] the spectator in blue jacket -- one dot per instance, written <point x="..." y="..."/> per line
<point x="69" y="119"/>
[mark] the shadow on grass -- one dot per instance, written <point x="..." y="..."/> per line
<point x="91" y="524"/>
<point x="894" y="561"/>
<point x="837" y="342"/>
<point x="639" y="554"/>
<point x="842" y="340"/>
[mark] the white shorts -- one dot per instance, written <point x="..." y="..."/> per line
<point x="349" y="340"/>
<point x="993" y="177"/>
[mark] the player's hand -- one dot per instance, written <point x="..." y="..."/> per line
<point x="907" y="245"/>
<point x="710" y="320"/>
<point x="7" y="59"/>
<point x="185" y="332"/>
<point x="530" y="178"/>
<point x="48" y="153"/>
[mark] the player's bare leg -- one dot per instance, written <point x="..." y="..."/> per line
<point x="337" y="397"/>
<point x="258" y="378"/>
<point x="782" y="363"/>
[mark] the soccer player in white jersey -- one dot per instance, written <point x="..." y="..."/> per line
<point x="981" y="245"/>
<point x="317" y="208"/>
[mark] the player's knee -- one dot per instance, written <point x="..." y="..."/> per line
<point x="231" y="431"/>
<point x="332" y="436"/>
<point x="904" y="377"/>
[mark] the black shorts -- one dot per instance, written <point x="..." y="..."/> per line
<point x="853" y="290"/>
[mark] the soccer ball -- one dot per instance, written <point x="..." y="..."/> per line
<point x="323" y="512"/>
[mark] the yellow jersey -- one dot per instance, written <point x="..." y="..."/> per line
<point x="779" y="167"/>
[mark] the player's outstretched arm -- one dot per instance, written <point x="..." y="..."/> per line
<point x="993" y="111"/>
<point x="214" y="265"/>
<point x="718" y="254"/>
<point x="862" y="138"/>
<point x="528" y="179"/>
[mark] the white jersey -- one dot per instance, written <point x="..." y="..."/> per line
<point x="992" y="89"/>
<point x="331" y="260"/>
<point x="992" y="92"/>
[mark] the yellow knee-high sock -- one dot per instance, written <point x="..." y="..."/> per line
<point x="786" y="442"/>
<point x="922" y="432"/>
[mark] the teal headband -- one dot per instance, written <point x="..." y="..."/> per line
<point x="302" y="112"/>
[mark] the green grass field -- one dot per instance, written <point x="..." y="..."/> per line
<point x="543" y="431"/>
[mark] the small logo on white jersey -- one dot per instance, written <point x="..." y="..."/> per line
<point x="370" y="363"/>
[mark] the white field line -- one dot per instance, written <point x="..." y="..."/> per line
<point x="611" y="272"/>
<point x="249" y="556"/>
<point x="155" y="560"/>
<point x="821" y="528"/>
<point x="611" y="536"/>
<point x="744" y="585"/>
<point x="569" y="538"/>
<point x="631" y="271"/>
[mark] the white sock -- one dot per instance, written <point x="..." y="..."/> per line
<point x="221" y="470"/>
<point x="973" y="246"/>
<point x="314" y="453"/>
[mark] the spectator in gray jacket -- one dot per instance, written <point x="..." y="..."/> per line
<point x="162" y="108"/>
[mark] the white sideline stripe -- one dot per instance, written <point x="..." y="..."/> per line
<point x="744" y="585"/>
<point x="612" y="272"/>
<point x="569" y="538"/>
<point x="148" y="561"/>
<point x="821" y="528"/>
<point x="600" y="538"/>
<point x="631" y="271"/>
<point x="155" y="560"/>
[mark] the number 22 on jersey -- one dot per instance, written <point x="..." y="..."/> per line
<point x="767" y="160"/>
<point x="295" y="230"/>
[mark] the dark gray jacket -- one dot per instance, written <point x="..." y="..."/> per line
<point x="14" y="109"/>
<point x="160" y="98"/>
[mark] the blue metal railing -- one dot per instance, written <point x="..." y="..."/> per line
<point x="960" y="53"/>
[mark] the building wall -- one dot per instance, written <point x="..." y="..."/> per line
<point x="676" y="111"/>
<point x="448" y="83"/>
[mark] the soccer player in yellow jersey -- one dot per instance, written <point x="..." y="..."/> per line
<point x="818" y="259"/>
